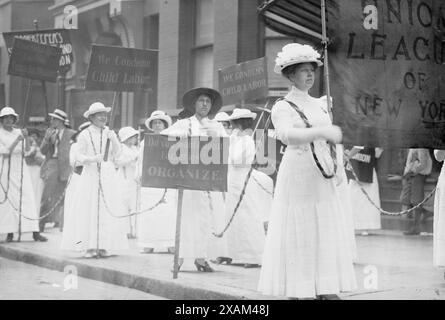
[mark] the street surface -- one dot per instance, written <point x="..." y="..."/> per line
<point x="21" y="281"/>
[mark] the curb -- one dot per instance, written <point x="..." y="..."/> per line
<point x="179" y="289"/>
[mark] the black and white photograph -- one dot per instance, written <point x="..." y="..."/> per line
<point x="249" y="151"/>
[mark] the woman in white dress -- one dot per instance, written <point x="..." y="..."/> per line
<point x="439" y="215"/>
<point x="366" y="216"/>
<point x="156" y="228"/>
<point x="72" y="193"/>
<point x="98" y="229"/>
<point x="203" y="212"/>
<point x="11" y="146"/>
<point x="304" y="254"/>
<point x="126" y="163"/>
<point x="34" y="158"/>
<point x="245" y="236"/>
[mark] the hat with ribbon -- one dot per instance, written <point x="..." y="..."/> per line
<point x="8" y="111"/>
<point x="189" y="98"/>
<point x="295" y="53"/>
<point x="158" y="115"/>
<point x="84" y="126"/>
<point x="242" y="114"/>
<point x="221" y="117"/>
<point x="126" y="133"/>
<point x="59" y="114"/>
<point x="96" y="107"/>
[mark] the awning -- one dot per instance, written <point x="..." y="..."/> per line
<point x="293" y="17"/>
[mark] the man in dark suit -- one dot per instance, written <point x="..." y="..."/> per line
<point x="56" y="168"/>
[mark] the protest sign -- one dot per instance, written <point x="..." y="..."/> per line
<point x="245" y="81"/>
<point x="54" y="37"/>
<point x="387" y="71"/>
<point x="193" y="163"/>
<point x="122" y="69"/>
<point x="34" y="61"/>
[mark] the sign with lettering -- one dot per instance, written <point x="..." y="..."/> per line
<point x="33" y="60"/>
<point x="388" y="73"/>
<point x="245" y="81"/>
<point x="193" y="163"/>
<point x="122" y="69"/>
<point x="54" y="37"/>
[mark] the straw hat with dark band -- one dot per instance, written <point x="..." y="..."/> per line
<point x="190" y="97"/>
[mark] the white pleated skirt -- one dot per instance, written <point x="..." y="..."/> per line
<point x="306" y="246"/>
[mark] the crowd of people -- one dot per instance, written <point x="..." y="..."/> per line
<point x="299" y="230"/>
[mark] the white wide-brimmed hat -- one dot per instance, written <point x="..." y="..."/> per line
<point x="126" y="133"/>
<point x="84" y="126"/>
<point x="295" y="53"/>
<point x="222" y="116"/>
<point x="59" y="114"/>
<point x="8" y="111"/>
<point x="158" y="115"/>
<point x="96" y="107"/>
<point x="242" y="114"/>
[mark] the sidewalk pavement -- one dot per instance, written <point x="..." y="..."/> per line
<point x="389" y="266"/>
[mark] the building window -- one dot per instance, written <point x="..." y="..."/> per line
<point x="203" y="44"/>
<point x="274" y="42"/>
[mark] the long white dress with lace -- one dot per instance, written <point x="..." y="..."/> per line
<point x="96" y="224"/>
<point x="304" y="253"/>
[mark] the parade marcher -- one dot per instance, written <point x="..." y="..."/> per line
<point x="56" y="168"/>
<point x="418" y="167"/>
<point x="156" y="228"/>
<point x="439" y="215"/>
<point x="304" y="254"/>
<point x="34" y="159"/>
<point x="223" y="118"/>
<point x="72" y="192"/>
<point x="98" y="225"/>
<point x="16" y="189"/>
<point x="203" y="212"/>
<point x="246" y="234"/>
<point x="126" y="163"/>
<point x="366" y="215"/>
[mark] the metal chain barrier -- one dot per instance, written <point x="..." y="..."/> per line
<point x="377" y="206"/>
<point x="243" y="191"/>
<point x="262" y="187"/>
<point x="6" y="191"/>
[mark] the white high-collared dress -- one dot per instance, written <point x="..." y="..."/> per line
<point x="246" y="235"/>
<point x="156" y="228"/>
<point x="305" y="254"/>
<point x="202" y="212"/>
<point x="10" y="188"/>
<point x="96" y="224"/>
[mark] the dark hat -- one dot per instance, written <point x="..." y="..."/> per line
<point x="190" y="97"/>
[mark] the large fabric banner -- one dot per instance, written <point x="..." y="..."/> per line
<point x="387" y="71"/>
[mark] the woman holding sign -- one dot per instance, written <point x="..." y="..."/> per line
<point x="304" y="254"/>
<point x="98" y="229"/>
<point x="156" y="228"/>
<point x="202" y="211"/>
